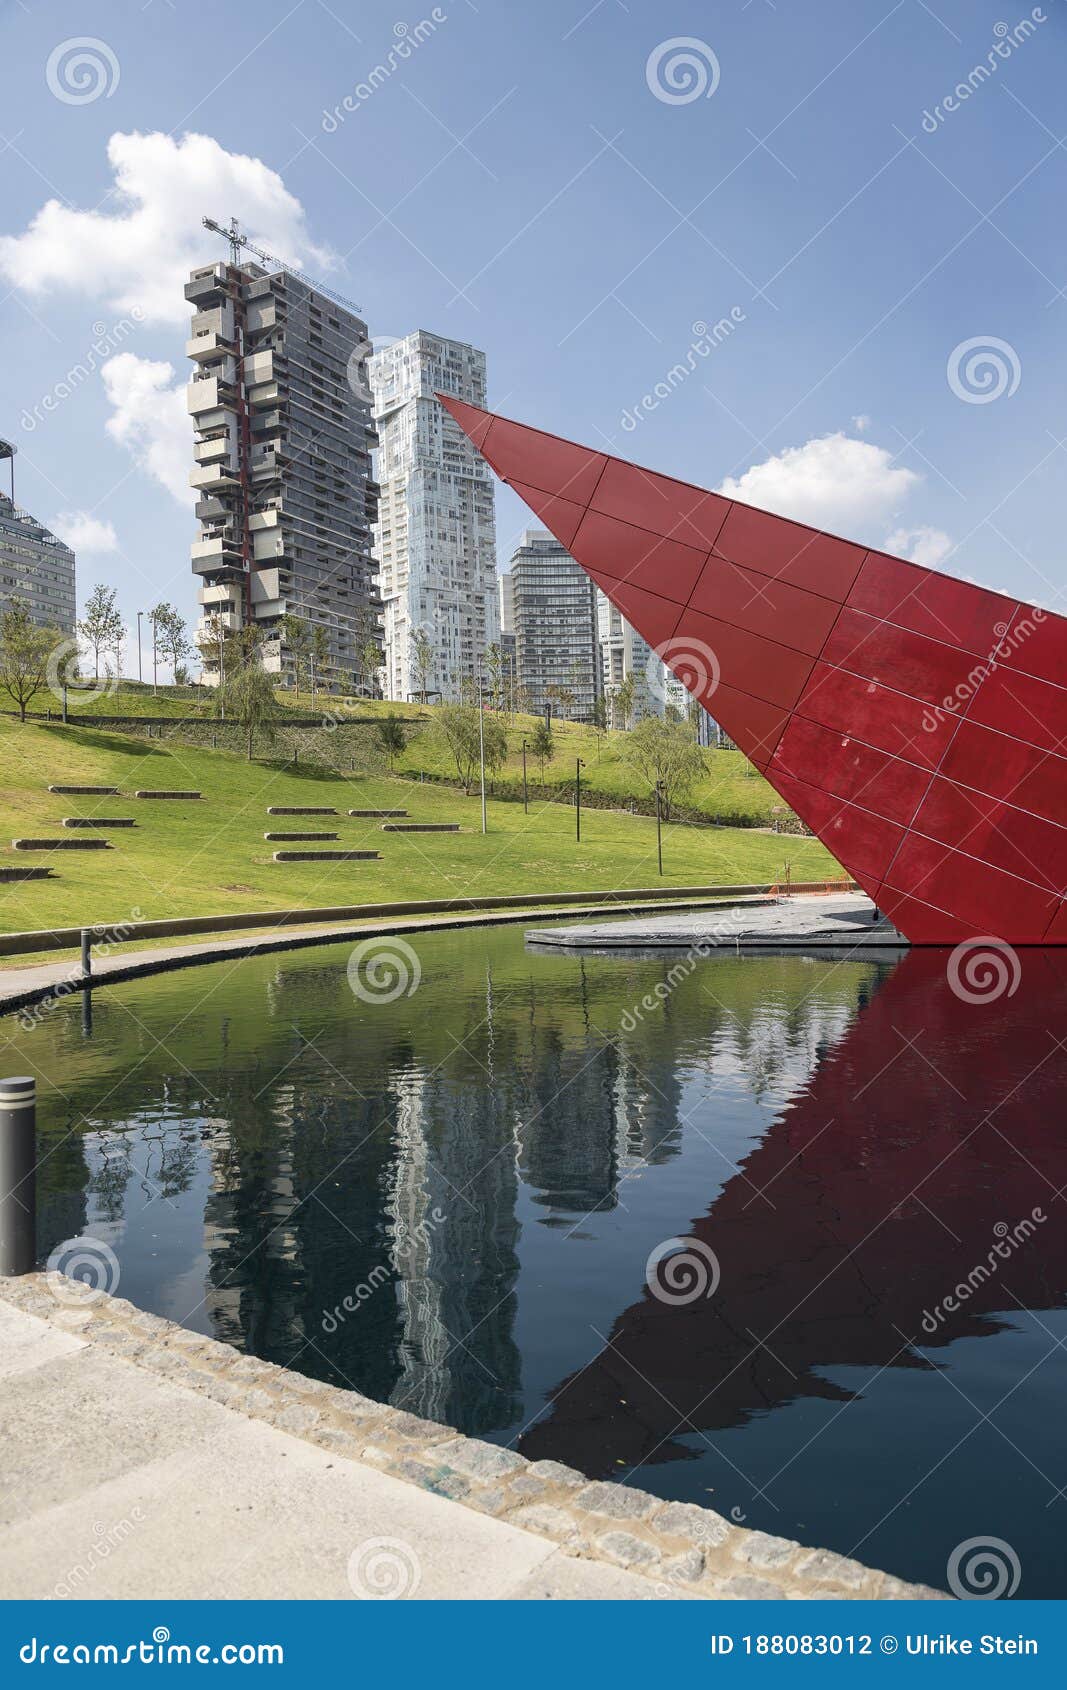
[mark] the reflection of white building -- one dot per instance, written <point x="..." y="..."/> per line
<point x="435" y="538"/>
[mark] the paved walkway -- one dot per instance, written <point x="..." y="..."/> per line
<point x="807" y="922"/>
<point x="117" y="1483"/>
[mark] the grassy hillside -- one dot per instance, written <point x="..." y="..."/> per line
<point x="208" y="857"/>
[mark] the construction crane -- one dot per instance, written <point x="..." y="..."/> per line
<point x="237" y="240"/>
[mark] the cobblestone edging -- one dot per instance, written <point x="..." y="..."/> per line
<point x="689" y="1550"/>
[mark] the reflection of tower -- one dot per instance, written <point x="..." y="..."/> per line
<point x="567" y="1149"/>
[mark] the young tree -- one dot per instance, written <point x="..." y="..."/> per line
<point x="622" y="702"/>
<point x="458" y="726"/>
<point x="248" y="692"/>
<point x="170" y="635"/>
<point x="664" y="754"/>
<point x="320" y="656"/>
<point x="542" y="744"/>
<point x="371" y="657"/>
<point x="494" y="670"/>
<point x="391" y="736"/>
<point x="296" y="636"/>
<point x="214" y="640"/>
<point x="24" y="653"/>
<point x="102" y="626"/>
<point x="422" y="659"/>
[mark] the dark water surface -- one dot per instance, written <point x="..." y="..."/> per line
<point x="484" y="1167"/>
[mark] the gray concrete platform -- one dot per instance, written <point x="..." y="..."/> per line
<point x="836" y="922"/>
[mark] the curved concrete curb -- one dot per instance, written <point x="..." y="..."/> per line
<point x="684" y="1549"/>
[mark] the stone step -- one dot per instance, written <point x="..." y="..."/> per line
<point x="377" y="813"/>
<point x="300" y="810"/>
<point x="147" y="794"/>
<point x="61" y="844"/>
<point x="86" y="791"/>
<point x="99" y="821"/>
<point x="324" y="856"/>
<point x="27" y="873"/>
<point x="420" y="827"/>
<point x="294" y="836"/>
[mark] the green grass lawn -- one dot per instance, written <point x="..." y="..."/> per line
<point x="210" y="857"/>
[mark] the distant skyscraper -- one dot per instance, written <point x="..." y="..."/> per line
<point x="623" y="653"/>
<point x="435" y="540"/>
<point x="286" y="500"/>
<point x="36" y="568"/>
<point x="552" y="603"/>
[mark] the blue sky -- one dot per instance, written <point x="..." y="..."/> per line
<point x="518" y="180"/>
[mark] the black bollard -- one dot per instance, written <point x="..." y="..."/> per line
<point x="87" y="953"/>
<point x="18" y="1176"/>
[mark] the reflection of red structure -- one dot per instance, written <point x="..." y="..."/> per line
<point x="920" y="1143"/>
<point x="916" y="723"/>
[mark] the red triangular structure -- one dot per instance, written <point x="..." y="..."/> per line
<point x="916" y="723"/>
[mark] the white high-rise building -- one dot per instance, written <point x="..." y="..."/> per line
<point x="435" y="538"/>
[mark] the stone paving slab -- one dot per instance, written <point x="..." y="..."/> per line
<point x="804" y="922"/>
<point x="210" y="1472"/>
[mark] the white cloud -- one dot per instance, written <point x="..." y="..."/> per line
<point x="928" y="546"/>
<point x="861" y="423"/>
<point x="137" y="249"/>
<point x="151" y="420"/>
<point x="84" y="532"/>
<point x="832" y="482"/>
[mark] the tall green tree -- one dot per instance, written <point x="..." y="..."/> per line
<point x="458" y="727"/>
<point x="664" y="754"/>
<point x="102" y="626"/>
<point x="391" y="736"/>
<point x="170" y="634"/>
<point x="320" y="657"/>
<point x="542" y="744"/>
<point x="248" y="691"/>
<point x="296" y="638"/>
<point x="622" y="702"/>
<point x="422" y="659"/>
<point x="24" y="653"/>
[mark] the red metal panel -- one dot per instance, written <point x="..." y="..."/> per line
<point x="663" y="506"/>
<point x="789" y="551"/>
<point x="931" y="604"/>
<point x="633" y="554"/>
<point x="764" y="606"/>
<point x="1008" y="768"/>
<point x="910" y="731"/>
<point x="1010" y="839"/>
<point x="1025" y="708"/>
<point x="890" y="720"/>
<point x="541" y="460"/>
<point x="979" y="895"/>
<point x="849" y="769"/>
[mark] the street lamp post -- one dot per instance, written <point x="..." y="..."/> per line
<point x="140" y="613"/>
<point x="154" y="650"/>
<point x="481" y="749"/>
<point x="659" y="825"/>
<point x="579" y="765"/>
<point x="525" y="788"/>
